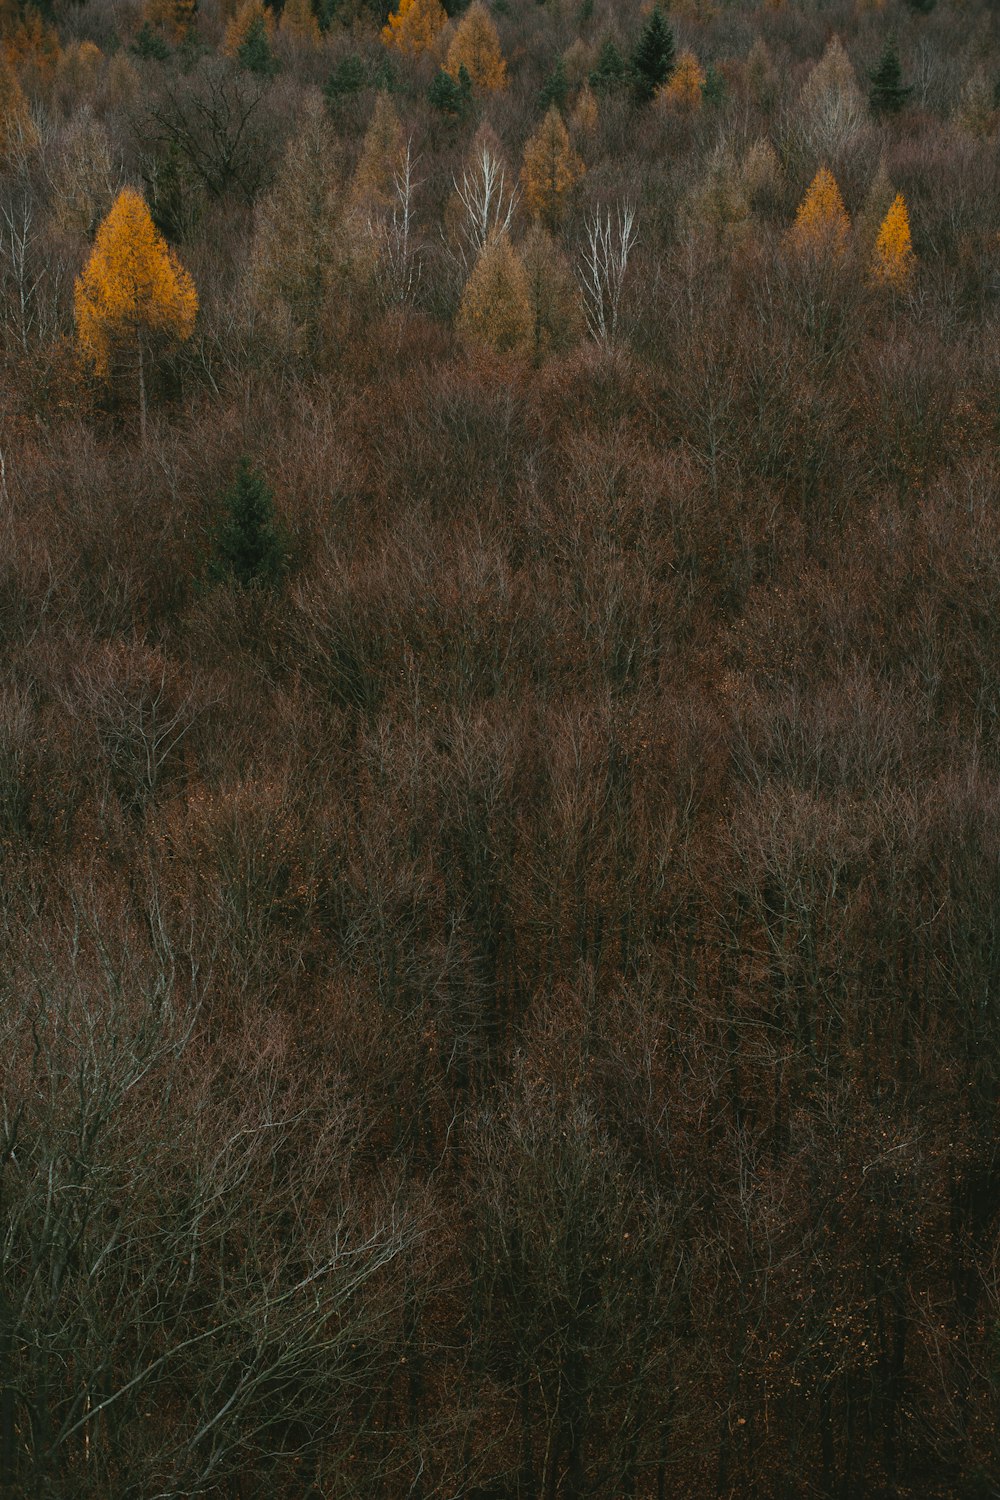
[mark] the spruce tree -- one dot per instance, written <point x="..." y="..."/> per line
<point x="555" y="90"/>
<point x="249" y="545"/>
<point x="255" y="52"/>
<point x="888" y="94"/>
<point x="610" y="71"/>
<point x="653" y="58"/>
<point x="449" y="96"/>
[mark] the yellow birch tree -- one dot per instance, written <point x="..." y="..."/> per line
<point x="134" y="296"/>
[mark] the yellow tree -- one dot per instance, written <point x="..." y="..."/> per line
<point x="821" y="224"/>
<point x="894" y="261"/>
<point x="380" y="158"/>
<point x="415" y="27"/>
<point x="476" y="48"/>
<point x="134" y="295"/>
<point x="495" y="311"/>
<point x="17" y="131"/>
<point x="682" y="91"/>
<point x="551" y="170"/>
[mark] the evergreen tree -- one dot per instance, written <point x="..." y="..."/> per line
<point x="653" y="58"/>
<point x="348" y="77"/>
<point x="714" y="87"/>
<point x="450" y="96"/>
<point x="255" y="51"/>
<point x="888" y="94"/>
<point x="610" y="71"/>
<point x="149" y="43"/>
<point x="555" y="90"/>
<point x="249" y="545"/>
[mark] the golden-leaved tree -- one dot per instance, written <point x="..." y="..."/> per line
<point x="414" y="28"/>
<point x="134" y="297"/>
<point x="476" y="48"/>
<point x="551" y="170"/>
<point x="379" y="160"/>
<point x="821" y="225"/>
<point x="553" y="296"/>
<point x="894" y="261"/>
<point x="683" y="89"/>
<point x="252" y="13"/>
<point x="495" y="311"/>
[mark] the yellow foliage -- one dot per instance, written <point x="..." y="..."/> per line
<point x="33" y="45"/>
<point x="585" y="111"/>
<point x="551" y="170"/>
<point x="133" y="288"/>
<point x="894" y="261"/>
<point x="495" y="311"/>
<point x="299" y="26"/>
<point x="821" y="224"/>
<point x="239" y="27"/>
<point x="476" y="47"/>
<point x="682" y="90"/>
<point x="415" y="27"/>
<point x="17" y="130"/>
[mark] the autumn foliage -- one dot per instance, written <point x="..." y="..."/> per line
<point x="475" y="47"/>
<point x="415" y="27"/>
<point x="551" y="170"/>
<point x="893" y="261"/>
<point x="821" y="227"/>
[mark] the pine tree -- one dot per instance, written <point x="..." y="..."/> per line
<point x="821" y="224"/>
<point x="249" y="545"/>
<point x="476" y="47"/>
<point x="683" y="91"/>
<point x="134" y="295"/>
<point x="495" y="311"/>
<point x="415" y="27"/>
<point x="551" y="170"/>
<point x="555" y="90"/>
<point x="714" y="88"/>
<point x="653" y="58"/>
<point x="610" y="72"/>
<point x="894" y="261"/>
<point x="888" y="95"/>
<point x="451" y="97"/>
<point x="149" y="43"/>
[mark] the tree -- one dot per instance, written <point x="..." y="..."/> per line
<point x="134" y="295"/>
<point x="246" y="26"/>
<point x="381" y="155"/>
<point x="555" y="89"/>
<point x="610" y="72"/>
<point x="476" y="47"/>
<point x="255" y="50"/>
<point x="17" y="130"/>
<point x="481" y="206"/>
<point x="894" y="261"/>
<point x="299" y="25"/>
<point x="653" y="58"/>
<point x="551" y="170"/>
<point x="415" y="27"/>
<point x="585" y="111"/>
<point x="174" y="18"/>
<point x="449" y="96"/>
<point x="556" y="313"/>
<point x="299" y="252"/>
<point x="831" y="107"/>
<point x="821" y="223"/>
<point x="495" y="311"/>
<point x="249" y="545"/>
<point x="685" y="87"/>
<point x="888" y="94"/>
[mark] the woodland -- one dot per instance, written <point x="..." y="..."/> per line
<point x="499" y="760"/>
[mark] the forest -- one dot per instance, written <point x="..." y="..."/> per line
<point x="499" y="750"/>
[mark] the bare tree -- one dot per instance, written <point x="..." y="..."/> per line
<point x="608" y="243"/>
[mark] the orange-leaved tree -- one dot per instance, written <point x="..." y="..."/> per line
<point x="894" y="260"/>
<point x="476" y="48"/>
<point x="821" y="224"/>
<point x="415" y="27"/>
<point x="551" y="170"/>
<point x="134" y="297"/>
<point x="17" y="130"/>
<point x="683" y="89"/>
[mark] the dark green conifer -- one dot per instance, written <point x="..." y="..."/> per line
<point x="249" y="545"/>
<point x="610" y="72"/>
<point x="452" y="97"/>
<point x="654" y="57"/>
<point x="555" y="90"/>
<point x="255" y="54"/>
<point x="888" y="94"/>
